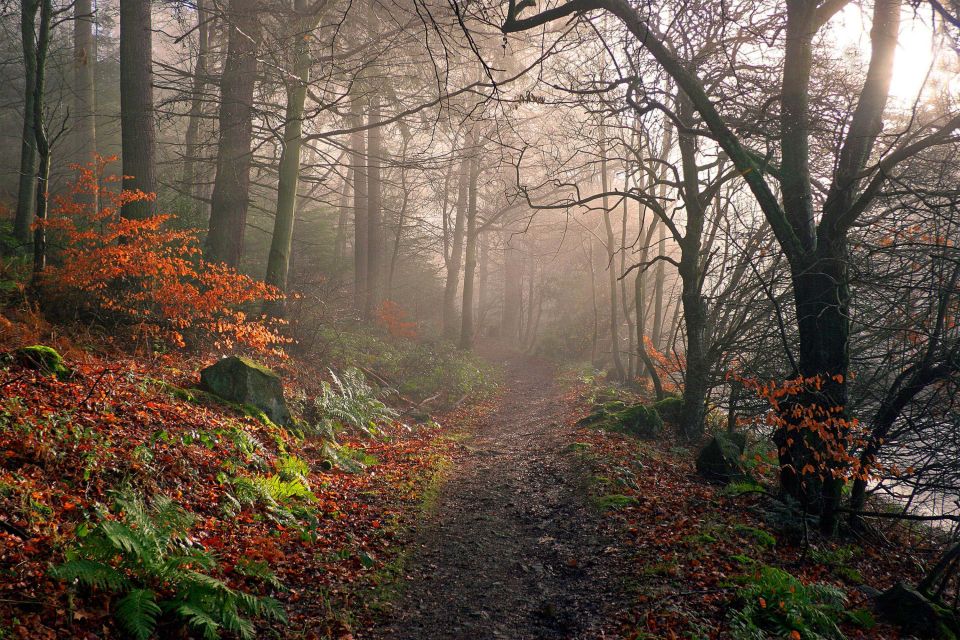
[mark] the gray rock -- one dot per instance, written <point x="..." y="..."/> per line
<point x="243" y="381"/>
<point x="719" y="460"/>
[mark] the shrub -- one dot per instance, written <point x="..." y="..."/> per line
<point x="144" y="558"/>
<point x="776" y="603"/>
<point x="146" y="274"/>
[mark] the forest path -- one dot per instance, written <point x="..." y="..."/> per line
<point x="513" y="548"/>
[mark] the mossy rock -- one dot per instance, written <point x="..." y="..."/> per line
<point x="719" y="460"/>
<point x="670" y="409"/>
<point x="640" y="421"/>
<point x="245" y="382"/>
<point x="44" y="359"/>
<point x="918" y="614"/>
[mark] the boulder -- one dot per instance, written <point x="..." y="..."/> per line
<point x="243" y="381"/>
<point x="669" y="409"/>
<point x="44" y="359"/>
<point x="719" y="460"/>
<point x="917" y="614"/>
<point x="640" y="421"/>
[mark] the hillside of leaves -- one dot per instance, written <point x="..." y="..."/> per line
<point x="131" y="503"/>
<point x="731" y="560"/>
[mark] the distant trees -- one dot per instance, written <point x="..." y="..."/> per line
<point x="816" y="246"/>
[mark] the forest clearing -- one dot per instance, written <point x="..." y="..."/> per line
<point x="497" y="319"/>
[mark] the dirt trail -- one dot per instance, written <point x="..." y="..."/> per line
<point x="512" y="548"/>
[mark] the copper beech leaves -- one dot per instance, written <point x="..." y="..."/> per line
<point x="147" y="273"/>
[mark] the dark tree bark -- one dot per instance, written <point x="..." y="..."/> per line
<point x="42" y="139"/>
<point x="231" y="186"/>
<point x="696" y="378"/>
<point x="281" y="241"/>
<point x="138" y="143"/>
<point x="192" y="137"/>
<point x="27" y="184"/>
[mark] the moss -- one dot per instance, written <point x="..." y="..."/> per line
<point x="44" y="359"/>
<point x="719" y="460"/>
<point x="245" y="382"/>
<point x="761" y="537"/>
<point x="669" y="409"/>
<point x="615" y="502"/>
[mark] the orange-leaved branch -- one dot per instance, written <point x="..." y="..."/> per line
<point x="147" y="274"/>
<point x="830" y="438"/>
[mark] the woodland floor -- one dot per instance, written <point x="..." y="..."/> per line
<point x="512" y="547"/>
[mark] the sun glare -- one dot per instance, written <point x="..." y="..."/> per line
<point x="915" y="53"/>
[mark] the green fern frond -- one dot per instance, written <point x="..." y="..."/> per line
<point x="198" y="618"/>
<point x="125" y="539"/>
<point x="137" y="612"/>
<point x="91" y="573"/>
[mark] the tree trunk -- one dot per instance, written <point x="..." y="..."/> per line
<point x="470" y="264"/>
<point x="191" y="152"/>
<point x="43" y="142"/>
<point x="696" y="380"/>
<point x="231" y="186"/>
<point x="27" y="189"/>
<point x="659" y="276"/>
<point x="483" y="295"/>
<point x="611" y="265"/>
<point x="278" y="262"/>
<point x="374" y="223"/>
<point x="595" y="337"/>
<point x="358" y="159"/>
<point x="456" y="253"/>
<point x="696" y="377"/>
<point x="84" y="89"/>
<point x="640" y="302"/>
<point x="343" y="219"/>
<point x="624" y="303"/>
<point x="822" y="301"/>
<point x="401" y="220"/>
<point x="138" y="142"/>
<point x="512" y="289"/>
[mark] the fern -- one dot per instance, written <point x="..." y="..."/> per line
<point x="137" y="612"/>
<point x="349" y="402"/>
<point x="774" y="601"/>
<point x="91" y="572"/>
<point x="144" y="558"/>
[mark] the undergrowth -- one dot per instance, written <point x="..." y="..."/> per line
<point x="418" y="370"/>
<point x="142" y="555"/>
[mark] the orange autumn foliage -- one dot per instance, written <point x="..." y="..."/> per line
<point x="146" y="274"/>
<point x="393" y="318"/>
<point x="830" y="436"/>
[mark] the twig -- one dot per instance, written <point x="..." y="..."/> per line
<point x="15" y="530"/>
